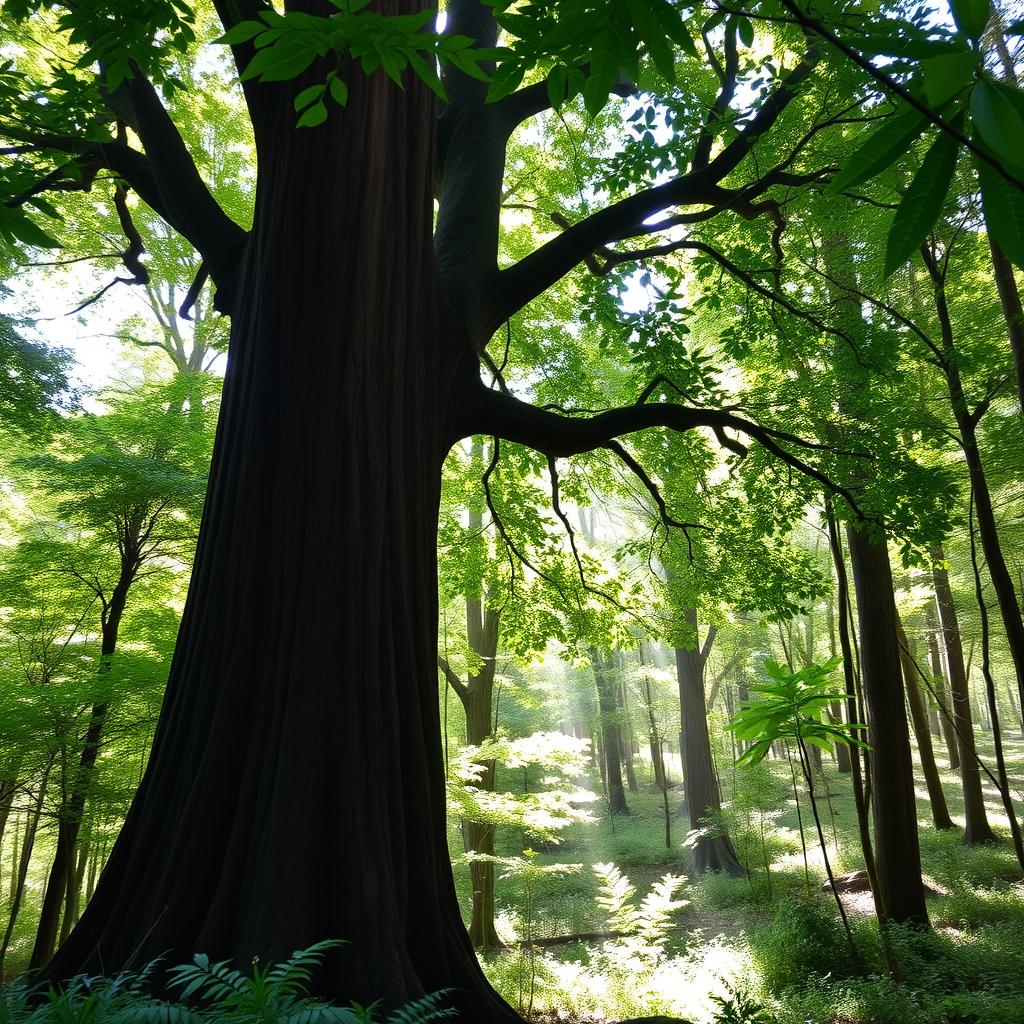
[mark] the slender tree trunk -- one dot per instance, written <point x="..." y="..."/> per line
<point x="919" y="718"/>
<point x="713" y="850"/>
<point x="69" y="816"/>
<point x="894" y="805"/>
<point x="607" y="698"/>
<point x="967" y="423"/>
<point x="295" y="789"/>
<point x="24" y="859"/>
<point x="939" y="685"/>
<point x="626" y="741"/>
<point x="977" y="828"/>
<point x="8" y="787"/>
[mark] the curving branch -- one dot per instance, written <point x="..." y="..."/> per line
<point x="182" y="197"/>
<point x="559" y="436"/>
<point x="515" y="287"/>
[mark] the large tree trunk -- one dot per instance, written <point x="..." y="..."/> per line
<point x="894" y="805"/>
<point x="713" y="851"/>
<point x="295" y="789"/>
<point x="976" y="826"/>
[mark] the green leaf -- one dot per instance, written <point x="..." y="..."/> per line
<point x="922" y="202"/>
<point x="15" y="224"/>
<point x="745" y="30"/>
<point x="243" y="32"/>
<point x="882" y="148"/>
<point x="280" y="62"/>
<point x="316" y="115"/>
<point x="339" y="91"/>
<point x="1003" y="206"/>
<point x="947" y="75"/>
<point x="307" y="96"/>
<point x="653" y="35"/>
<point x="427" y="73"/>
<point x="998" y="123"/>
<point x="916" y="48"/>
<point x="507" y="76"/>
<point x="971" y="16"/>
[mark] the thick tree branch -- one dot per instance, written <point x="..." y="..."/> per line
<point x="453" y="680"/>
<point x="727" y="74"/>
<point x="502" y="415"/>
<point x="533" y="274"/>
<point x="184" y="199"/>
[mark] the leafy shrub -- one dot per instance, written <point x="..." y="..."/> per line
<point x="802" y="939"/>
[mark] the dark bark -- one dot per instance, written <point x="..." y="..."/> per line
<point x="607" y="698"/>
<point x="295" y="789"/>
<point x="860" y="796"/>
<point x="1009" y="299"/>
<point x="976" y="827"/>
<point x="23" y="859"/>
<point x="919" y="719"/>
<point x="69" y="816"/>
<point x="894" y="806"/>
<point x="713" y="851"/>
<point x="967" y="421"/>
<point x="939" y="686"/>
<point x="482" y="629"/>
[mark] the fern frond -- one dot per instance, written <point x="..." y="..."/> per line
<point x="425" y="1010"/>
<point x="615" y="895"/>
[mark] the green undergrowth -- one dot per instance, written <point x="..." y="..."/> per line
<point x="207" y="993"/>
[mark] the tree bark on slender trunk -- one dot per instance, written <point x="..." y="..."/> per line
<point x="483" y="623"/>
<point x="967" y="424"/>
<point x="296" y="783"/>
<point x="69" y="816"/>
<point x="939" y="684"/>
<point x="976" y="828"/>
<point x="919" y="719"/>
<point x="607" y="699"/>
<point x="23" y="860"/>
<point x="894" y="804"/>
<point x="713" y="850"/>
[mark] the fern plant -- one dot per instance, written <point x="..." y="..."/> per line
<point x="649" y="922"/>
<point x="275" y="994"/>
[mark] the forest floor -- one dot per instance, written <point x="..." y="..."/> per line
<point x="770" y="943"/>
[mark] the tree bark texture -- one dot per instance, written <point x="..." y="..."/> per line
<point x="919" y="719"/>
<point x="611" y="734"/>
<point x="894" y="804"/>
<point x="976" y="826"/>
<point x="939" y="685"/>
<point x="712" y="852"/>
<point x="295" y="789"/>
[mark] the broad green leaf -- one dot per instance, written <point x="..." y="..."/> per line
<point x="883" y="147"/>
<point x="307" y="96"/>
<point x="16" y="224"/>
<point x="339" y="91"/>
<point x="316" y="115"/>
<point x="998" y="123"/>
<point x="947" y="75"/>
<point x="922" y="203"/>
<point x="427" y="73"/>
<point x="506" y="78"/>
<point x="652" y="34"/>
<point x="1003" y="206"/>
<point x="280" y="62"/>
<point x="892" y="45"/>
<point x="971" y="16"/>
<point x="243" y="32"/>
